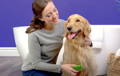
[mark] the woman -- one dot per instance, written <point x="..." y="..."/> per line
<point x="45" y="36"/>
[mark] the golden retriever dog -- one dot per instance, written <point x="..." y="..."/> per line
<point x="76" y="51"/>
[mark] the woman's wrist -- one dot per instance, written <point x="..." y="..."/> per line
<point x="62" y="68"/>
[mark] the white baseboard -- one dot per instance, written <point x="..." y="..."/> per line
<point x="8" y="51"/>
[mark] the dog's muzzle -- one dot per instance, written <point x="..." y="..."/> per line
<point x="72" y="35"/>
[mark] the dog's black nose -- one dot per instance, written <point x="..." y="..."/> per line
<point x="69" y="28"/>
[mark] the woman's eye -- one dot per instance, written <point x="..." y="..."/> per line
<point x="54" y="10"/>
<point x="48" y="15"/>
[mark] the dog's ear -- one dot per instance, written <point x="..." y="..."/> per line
<point x="87" y="30"/>
<point x="65" y="25"/>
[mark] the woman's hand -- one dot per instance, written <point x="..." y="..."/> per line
<point x="88" y="42"/>
<point x="68" y="68"/>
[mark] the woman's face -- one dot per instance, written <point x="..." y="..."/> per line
<point x="50" y="14"/>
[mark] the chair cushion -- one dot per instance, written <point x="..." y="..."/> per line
<point x="21" y="40"/>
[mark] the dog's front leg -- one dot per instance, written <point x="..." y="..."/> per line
<point x="92" y="67"/>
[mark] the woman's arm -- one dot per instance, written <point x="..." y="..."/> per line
<point x="35" y="56"/>
<point x="88" y="42"/>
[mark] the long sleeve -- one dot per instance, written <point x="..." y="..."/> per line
<point x="35" y="56"/>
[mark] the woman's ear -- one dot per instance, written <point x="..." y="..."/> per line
<point x="41" y="19"/>
<point x="38" y="21"/>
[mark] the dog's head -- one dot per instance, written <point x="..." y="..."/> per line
<point x="76" y="26"/>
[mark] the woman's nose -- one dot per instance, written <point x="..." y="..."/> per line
<point x="55" y="15"/>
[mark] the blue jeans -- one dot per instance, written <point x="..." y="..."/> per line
<point x="39" y="73"/>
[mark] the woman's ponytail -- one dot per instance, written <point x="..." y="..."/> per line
<point x="35" y="25"/>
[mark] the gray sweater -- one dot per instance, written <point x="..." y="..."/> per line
<point x="44" y="47"/>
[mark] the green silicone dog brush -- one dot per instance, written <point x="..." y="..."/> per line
<point x="78" y="67"/>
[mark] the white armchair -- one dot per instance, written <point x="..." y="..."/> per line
<point x="105" y="39"/>
<point x="21" y="40"/>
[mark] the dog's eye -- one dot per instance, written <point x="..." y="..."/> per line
<point x="77" y="20"/>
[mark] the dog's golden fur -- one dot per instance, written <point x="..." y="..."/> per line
<point x="75" y="50"/>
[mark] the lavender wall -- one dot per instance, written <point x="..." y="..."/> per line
<point x="18" y="13"/>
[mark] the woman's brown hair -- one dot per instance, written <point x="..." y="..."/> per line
<point x="37" y="8"/>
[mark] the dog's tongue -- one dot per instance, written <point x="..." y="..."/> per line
<point x="71" y="36"/>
